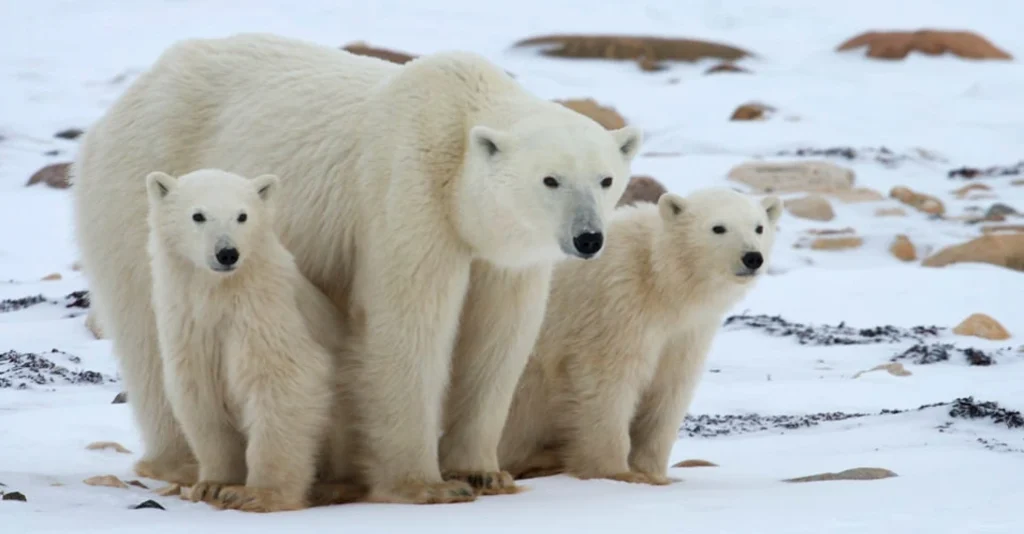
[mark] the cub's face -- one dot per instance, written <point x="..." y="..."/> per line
<point x="729" y="235"/>
<point x="543" y="190"/>
<point x="212" y="218"/>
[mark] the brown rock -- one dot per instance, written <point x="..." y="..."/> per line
<point x="898" y="44"/>
<point x="363" y="49"/>
<point x="814" y="207"/>
<point x="54" y="175"/>
<point x="983" y="326"/>
<point x="1016" y="182"/>
<point x="858" y="194"/>
<point x="120" y="398"/>
<point x="631" y="47"/>
<point x="801" y="176"/>
<point x="1004" y="250"/>
<point x="13" y="496"/>
<point x="893" y="368"/>
<point x="108" y="481"/>
<point x="836" y="243"/>
<point x="890" y="212"/>
<point x="726" y="67"/>
<point x="857" y="473"/>
<point x="695" y="463"/>
<point x="641" y="189"/>
<point x="992" y="229"/>
<point x="103" y="445"/>
<point x="903" y="248"/>
<point x="967" y="189"/>
<point x="919" y="201"/>
<point x="51" y="277"/>
<point x="751" y="111"/>
<point x="605" y="116"/>
<point x="137" y="484"/>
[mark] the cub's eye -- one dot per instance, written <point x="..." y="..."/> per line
<point x="198" y="217"/>
<point x="718" y="229"/>
<point x="551" y="182"/>
<point x="243" y="217"/>
<point x="607" y="182"/>
<point x="759" y="229"/>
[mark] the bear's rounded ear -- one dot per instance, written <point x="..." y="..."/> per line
<point x="265" y="185"/>
<point x="773" y="206"/>
<point x="628" y="139"/>
<point x="670" y="206"/>
<point x="159" y="185"/>
<point x="489" y="141"/>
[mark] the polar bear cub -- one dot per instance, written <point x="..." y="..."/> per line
<point x="619" y="357"/>
<point x="245" y="373"/>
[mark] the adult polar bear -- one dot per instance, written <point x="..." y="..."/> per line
<point x="429" y="201"/>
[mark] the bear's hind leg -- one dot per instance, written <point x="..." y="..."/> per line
<point x="168" y="456"/>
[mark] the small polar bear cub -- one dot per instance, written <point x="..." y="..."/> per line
<point x="619" y="357"/>
<point x="245" y="375"/>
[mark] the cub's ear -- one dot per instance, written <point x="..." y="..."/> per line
<point x="773" y="206"/>
<point x="266" y="185"/>
<point x="629" y="139"/>
<point x="489" y="141"/>
<point x="670" y="206"/>
<point x="159" y="185"/>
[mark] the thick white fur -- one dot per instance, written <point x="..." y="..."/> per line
<point x="413" y="196"/>
<point x="626" y="336"/>
<point x="249" y="354"/>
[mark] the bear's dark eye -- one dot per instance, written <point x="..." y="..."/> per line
<point x="198" y="217"/>
<point x="243" y="217"/>
<point x="718" y="229"/>
<point x="550" y="182"/>
<point x="759" y="229"/>
<point x="607" y="182"/>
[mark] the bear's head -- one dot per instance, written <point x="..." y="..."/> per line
<point x="211" y="218"/>
<point x="724" y="234"/>
<point x="543" y="188"/>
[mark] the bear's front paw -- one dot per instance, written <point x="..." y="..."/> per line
<point x="451" y="491"/>
<point x="486" y="482"/>
<point x="258" y="500"/>
<point x="203" y="491"/>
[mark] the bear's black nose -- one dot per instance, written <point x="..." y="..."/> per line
<point x="588" y="243"/>
<point x="753" y="260"/>
<point x="227" y="256"/>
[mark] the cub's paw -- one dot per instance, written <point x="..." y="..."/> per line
<point x="258" y="500"/>
<point x="486" y="482"/>
<point x="451" y="491"/>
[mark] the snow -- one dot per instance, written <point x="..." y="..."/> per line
<point x="56" y="70"/>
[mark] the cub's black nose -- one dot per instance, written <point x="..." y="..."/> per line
<point x="753" y="260"/>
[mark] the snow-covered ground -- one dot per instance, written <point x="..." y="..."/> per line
<point x="59" y="66"/>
